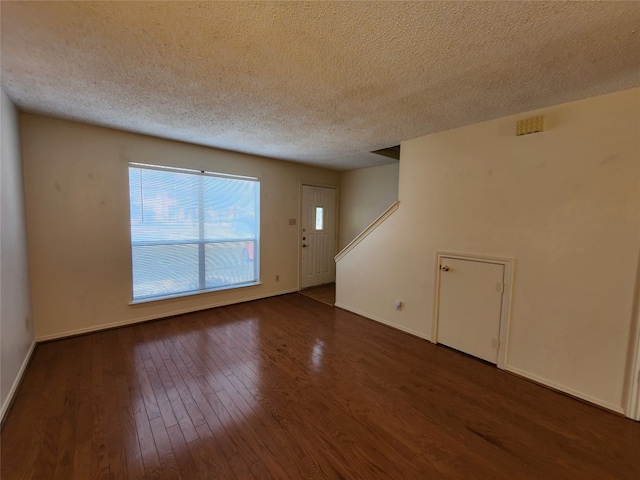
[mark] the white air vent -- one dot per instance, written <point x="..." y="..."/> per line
<point x="530" y="125"/>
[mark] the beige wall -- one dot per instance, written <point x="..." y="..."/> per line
<point x="16" y="328"/>
<point x="364" y="194"/>
<point x="78" y="221"/>
<point x="564" y="203"/>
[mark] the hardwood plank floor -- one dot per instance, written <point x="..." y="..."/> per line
<point x="287" y="387"/>
<point x="322" y="293"/>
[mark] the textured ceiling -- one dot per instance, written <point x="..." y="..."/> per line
<point x="322" y="83"/>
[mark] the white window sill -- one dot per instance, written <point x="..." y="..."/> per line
<point x="179" y="296"/>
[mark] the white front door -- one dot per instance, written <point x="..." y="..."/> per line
<point x="470" y="306"/>
<point x="318" y="236"/>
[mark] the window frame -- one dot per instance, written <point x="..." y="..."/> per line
<point x="201" y="242"/>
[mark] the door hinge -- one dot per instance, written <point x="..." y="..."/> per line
<point x="496" y="343"/>
<point x="501" y="287"/>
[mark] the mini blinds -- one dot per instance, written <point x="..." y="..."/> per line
<point x="192" y="231"/>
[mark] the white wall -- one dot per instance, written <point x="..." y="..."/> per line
<point x="16" y="328"/>
<point x="78" y="221"/>
<point x="364" y="194"/>
<point x="564" y="203"/>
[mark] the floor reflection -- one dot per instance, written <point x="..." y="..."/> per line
<point x="317" y="354"/>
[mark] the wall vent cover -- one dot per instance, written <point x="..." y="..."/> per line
<point x="530" y="125"/>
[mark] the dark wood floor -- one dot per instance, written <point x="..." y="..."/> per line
<point x="290" y="388"/>
<point x="322" y="293"/>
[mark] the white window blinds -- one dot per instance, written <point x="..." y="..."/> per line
<point x="192" y="231"/>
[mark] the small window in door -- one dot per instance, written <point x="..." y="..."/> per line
<point x="319" y="218"/>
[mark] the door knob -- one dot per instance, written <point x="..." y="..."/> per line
<point x="444" y="268"/>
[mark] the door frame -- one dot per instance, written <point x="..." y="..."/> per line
<point x="505" y="310"/>
<point x="301" y="184"/>
<point x="633" y="409"/>
<point x="632" y="383"/>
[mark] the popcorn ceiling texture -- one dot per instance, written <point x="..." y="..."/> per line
<point x="322" y="83"/>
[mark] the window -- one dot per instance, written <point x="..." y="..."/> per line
<point x="192" y="231"/>
<point x="319" y="218"/>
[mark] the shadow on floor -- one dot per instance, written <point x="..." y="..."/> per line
<point x="322" y="293"/>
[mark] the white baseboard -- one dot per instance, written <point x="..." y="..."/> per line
<point x="16" y="383"/>
<point x="382" y="320"/>
<point x="565" y="389"/>
<point x="107" y="326"/>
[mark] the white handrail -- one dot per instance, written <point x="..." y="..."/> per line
<point x="387" y="213"/>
